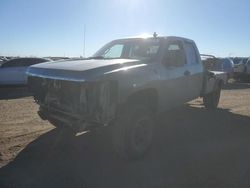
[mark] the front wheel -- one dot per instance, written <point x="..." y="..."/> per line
<point x="133" y="132"/>
<point x="211" y="100"/>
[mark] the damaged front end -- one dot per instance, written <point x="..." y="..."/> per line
<point x="80" y="105"/>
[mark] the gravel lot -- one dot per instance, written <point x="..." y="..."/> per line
<point x="193" y="147"/>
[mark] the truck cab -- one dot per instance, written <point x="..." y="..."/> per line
<point x="182" y="71"/>
<point x="125" y="84"/>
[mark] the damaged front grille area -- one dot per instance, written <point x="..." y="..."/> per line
<point x="65" y="96"/>
<point x="75" y="103"/>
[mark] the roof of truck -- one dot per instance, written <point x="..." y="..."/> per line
<point x="160" y="37"/>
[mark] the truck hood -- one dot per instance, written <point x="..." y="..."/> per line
<point x="81" y="70"/>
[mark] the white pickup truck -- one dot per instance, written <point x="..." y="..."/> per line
<point x="125" y="84"/>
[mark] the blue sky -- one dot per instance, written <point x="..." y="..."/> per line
<point x="55" y="27"/>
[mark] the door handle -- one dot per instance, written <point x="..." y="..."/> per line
<point x="187" y="73"/>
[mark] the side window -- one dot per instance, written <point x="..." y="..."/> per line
<point x="29" y="62"/>
<point x="191" y="54"/>
<point x="32" y="61"/>
<point x="114" y="51"/>
<point x="6" y="64"/>
<point x="175" y="55"/>
<point x="22" y="62"/>
<point x="143" y="51"/>
<point x="13" y="63"/>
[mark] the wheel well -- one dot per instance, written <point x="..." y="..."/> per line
<point x="148" y="97"/>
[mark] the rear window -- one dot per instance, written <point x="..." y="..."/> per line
<point x="226" y="63"/>
<point x="236" y="60"/>
<point x="244" y="60"/>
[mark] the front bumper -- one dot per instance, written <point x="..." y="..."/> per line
<point x="75" y="104"/>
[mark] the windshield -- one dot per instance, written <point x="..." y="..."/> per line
<point x="142" y="49"/>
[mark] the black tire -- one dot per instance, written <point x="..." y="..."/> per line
<point x="133" y="133"/>
<point x="211" y="100"/>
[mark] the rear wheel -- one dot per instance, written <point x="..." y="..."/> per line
<point x="133" y="132"/>
<point x="211" y="100"/>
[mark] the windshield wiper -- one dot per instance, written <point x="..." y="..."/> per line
<point x="96" y="57"/>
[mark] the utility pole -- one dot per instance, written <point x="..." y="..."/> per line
<point x="84" y="33"/>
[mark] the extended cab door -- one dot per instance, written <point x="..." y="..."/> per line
<point x="194" y="72"/>
<point x="174" y="69"/>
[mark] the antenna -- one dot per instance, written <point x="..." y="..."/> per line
<point x="84" y="33"/>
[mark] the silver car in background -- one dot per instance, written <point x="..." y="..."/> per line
<point x="13" y="72"/>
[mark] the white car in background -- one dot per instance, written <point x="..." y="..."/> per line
<point x="13" y="72"/>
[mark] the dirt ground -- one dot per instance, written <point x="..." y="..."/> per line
<point x="193" y="147"/>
